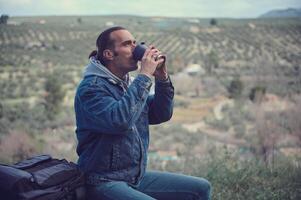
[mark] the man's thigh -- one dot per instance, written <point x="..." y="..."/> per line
<point x="172" y="186"/>
<point x="115" y="190"/>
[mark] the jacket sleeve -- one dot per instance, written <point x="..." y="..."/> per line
<point x="105" y="114"/>
<point x="161" y="103"/>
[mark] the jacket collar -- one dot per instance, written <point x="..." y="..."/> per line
<point x="96" y="68"/>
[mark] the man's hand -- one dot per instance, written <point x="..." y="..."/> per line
<point x="149" y="63"/>
<point x="161" y="73"/>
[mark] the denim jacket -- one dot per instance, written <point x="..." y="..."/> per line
<point x="112" y="119"/>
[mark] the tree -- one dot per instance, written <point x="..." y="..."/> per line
<point x="54" y="95"/>
<point x="211" y="62"/>
<point x="4" y="19"/>
<point x="235" y="89"/>
<point x="213" y="22"/>
<point x="257" y="93"/>
<point x="213" y="59"/>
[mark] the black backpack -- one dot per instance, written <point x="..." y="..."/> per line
<point x="41" y="178"/>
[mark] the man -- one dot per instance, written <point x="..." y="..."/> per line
<point x="112" y="118"/>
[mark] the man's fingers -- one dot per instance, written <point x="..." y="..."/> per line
<point x="161" y="60"/>
<point x="147" y="51"/>
<point x="150" y="52"/>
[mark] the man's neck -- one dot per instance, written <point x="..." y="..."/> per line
<point x="118" y="73"/>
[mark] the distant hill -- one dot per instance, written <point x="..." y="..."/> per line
<point x="32" y="46"/>
<point x="290" y="12"/>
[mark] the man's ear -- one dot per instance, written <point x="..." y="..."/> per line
<point x="108" y="54"/>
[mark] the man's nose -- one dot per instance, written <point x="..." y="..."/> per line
<point x="133" y="46"/>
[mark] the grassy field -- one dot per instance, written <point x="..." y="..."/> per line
<point x="237" y="104"/>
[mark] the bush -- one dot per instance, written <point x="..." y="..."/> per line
<point x="54" y="95"/>
<point x="243" y="177"/>
<point x="257" y="93"/>
<point x="22" y="116"/>
<point x="232" y="179"/>
<point x="235" y="89"/>
<point x="16" y="146"/>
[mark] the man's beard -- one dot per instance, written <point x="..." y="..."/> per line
<point x="135" y="66"/>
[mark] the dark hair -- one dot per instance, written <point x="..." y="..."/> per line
<point x="104" y="42"/>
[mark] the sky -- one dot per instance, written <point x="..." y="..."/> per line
<point x="168" y="8"/>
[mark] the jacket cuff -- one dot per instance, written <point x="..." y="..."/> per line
<point x="144" y="81"/>
<point x="166" y="82"/>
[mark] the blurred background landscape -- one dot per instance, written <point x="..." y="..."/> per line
<point x="237" y="85"/>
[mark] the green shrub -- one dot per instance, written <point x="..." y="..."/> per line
<point x="235" y="88"/>
<point x="257" y="93"/>
<point x="238" y="177"/>
<point x="54" y="95"/>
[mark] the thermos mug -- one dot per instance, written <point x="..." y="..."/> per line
<point x="139" y="52"/>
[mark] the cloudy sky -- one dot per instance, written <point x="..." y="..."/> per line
<point x="172" y="8"/>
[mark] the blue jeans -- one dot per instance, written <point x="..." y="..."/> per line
<point x="154" y="185"/>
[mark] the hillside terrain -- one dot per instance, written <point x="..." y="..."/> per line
<point x="265" y="53"/>
<point x="237" y="85"/>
